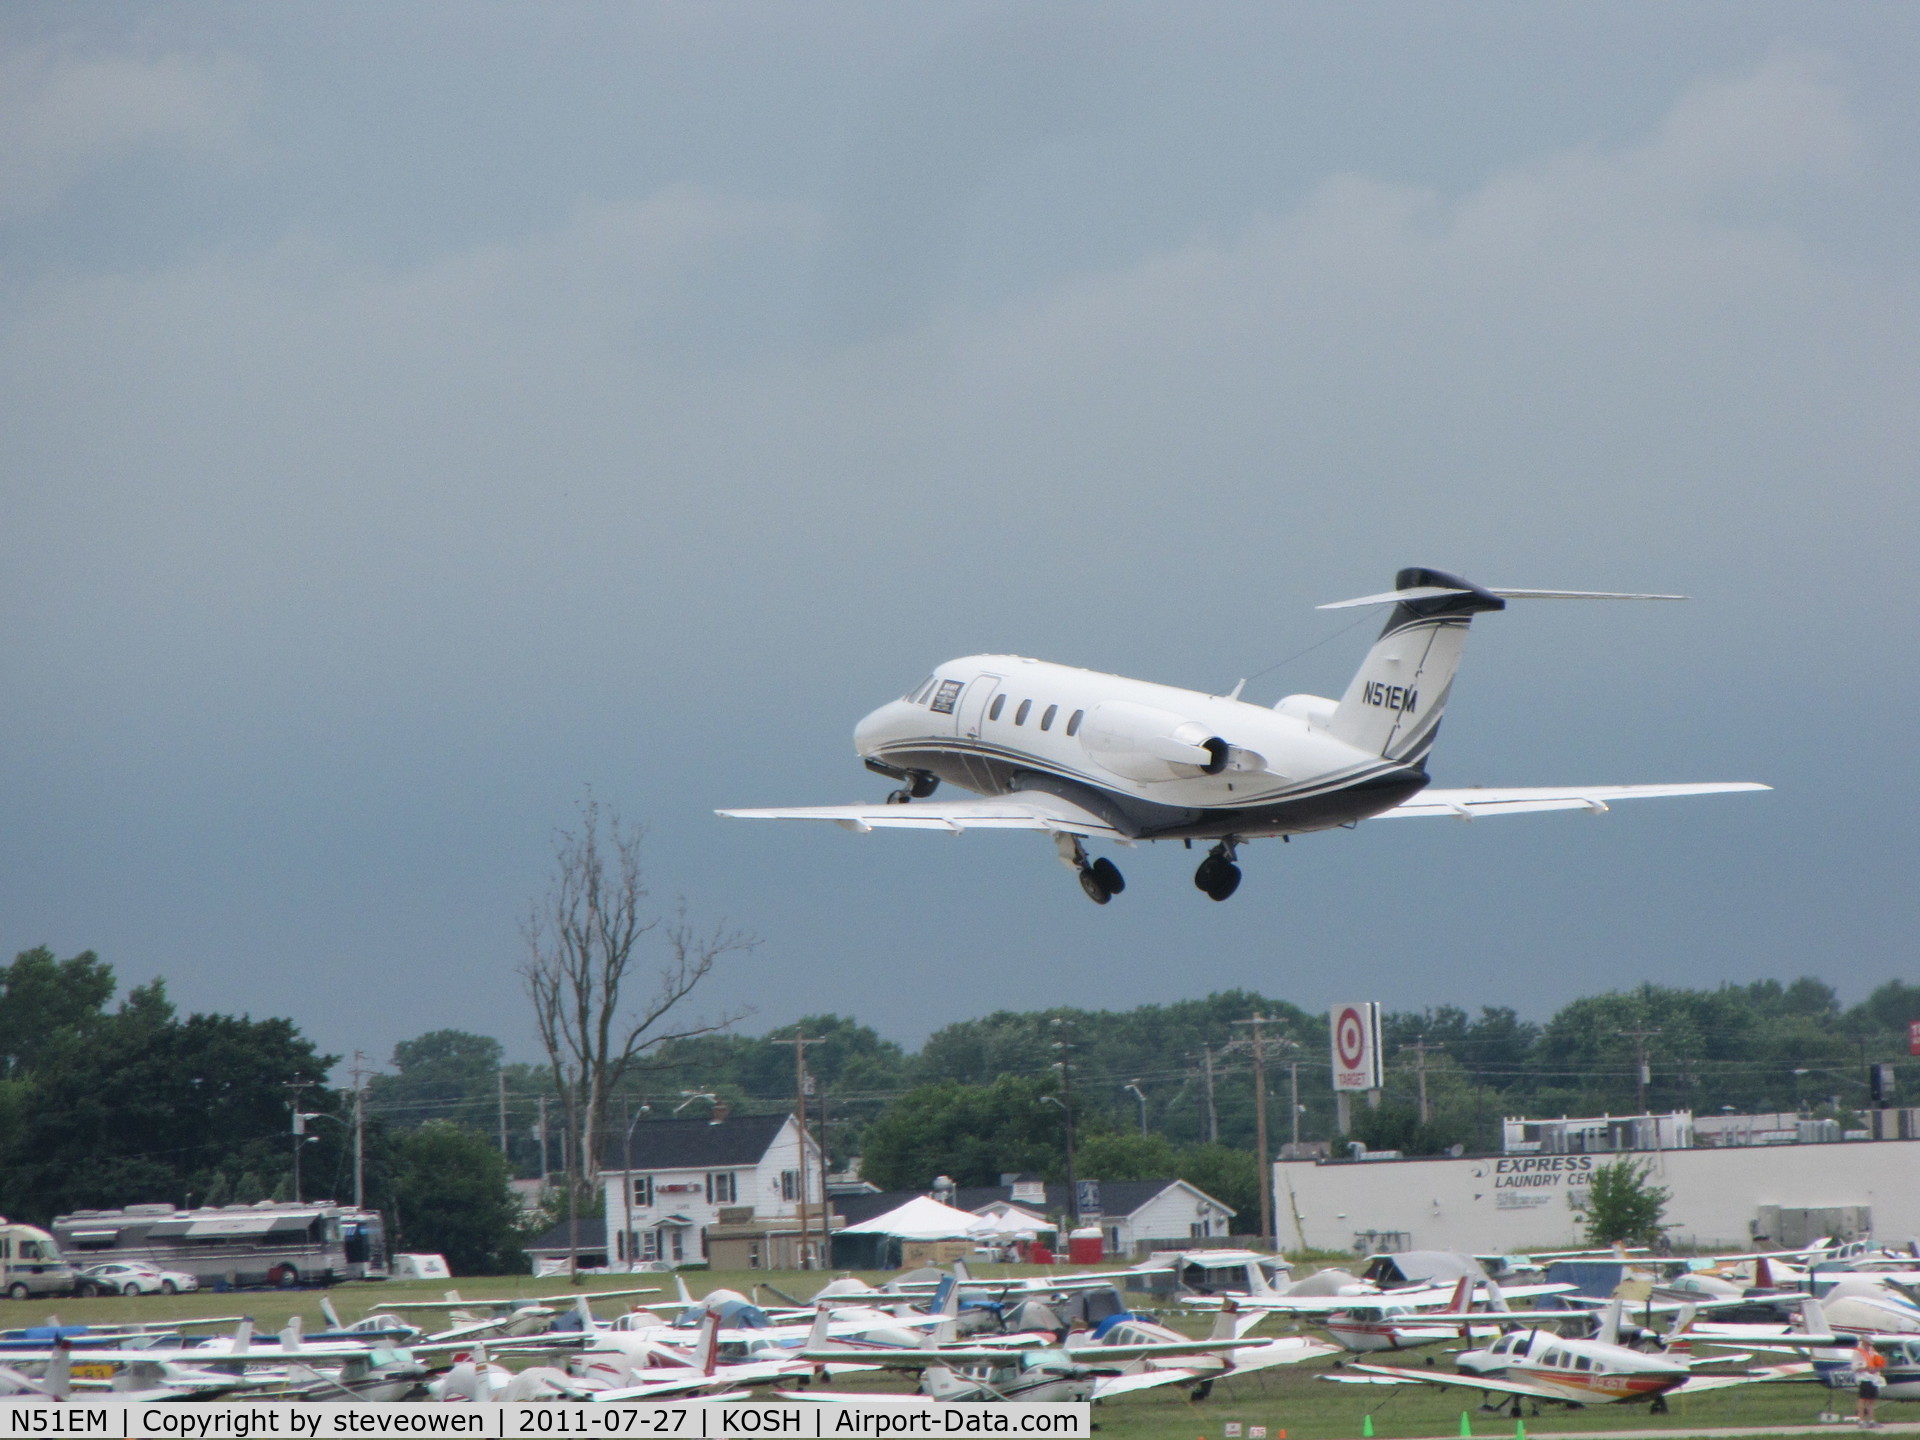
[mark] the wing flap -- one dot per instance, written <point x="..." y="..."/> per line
<point x="1017" y="812"/>
<point x="1474" y="801"/>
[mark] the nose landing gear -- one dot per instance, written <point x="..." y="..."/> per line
<point x="1101" y="878"/>
<point x="1218" y="877"/>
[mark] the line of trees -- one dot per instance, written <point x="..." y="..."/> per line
<point x="103" y="1105"/>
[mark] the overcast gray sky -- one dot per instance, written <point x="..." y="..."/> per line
<point x="411" y="415"/>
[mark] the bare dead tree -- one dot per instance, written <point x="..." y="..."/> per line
<point x="584" y="947"/>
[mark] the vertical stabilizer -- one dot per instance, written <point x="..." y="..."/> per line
<point x="1393" y="705"/>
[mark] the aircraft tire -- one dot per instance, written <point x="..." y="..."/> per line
<point x="1090" y="882"/>
<point x="1109" y="874"/>
<point x="1217" y="878"/>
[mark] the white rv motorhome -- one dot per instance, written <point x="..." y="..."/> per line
<point x="270" y="1243"/>
<point x="31" y="1263"/>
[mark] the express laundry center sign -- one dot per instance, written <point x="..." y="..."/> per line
<point x="1523" y="1182"/>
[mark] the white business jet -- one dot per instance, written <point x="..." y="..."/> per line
<point x="1080" y="755"/>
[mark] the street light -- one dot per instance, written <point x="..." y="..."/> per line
<point x="1141" y="1096"/>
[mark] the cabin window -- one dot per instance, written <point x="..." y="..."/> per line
<point x="999" y="704"/>
<point x="721" y="1188"/>
<point x="1020" y="715"/>
<point x="945" y="696"/>
<point x="643" y="1190"/>
<point x="1046" y="720"/>
<point x="1073" y="721"/>
<point x="1581" y="1362"/>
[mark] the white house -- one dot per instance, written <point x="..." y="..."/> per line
<point x="727" y="1191"/>
<point x="1134" y="1216"/>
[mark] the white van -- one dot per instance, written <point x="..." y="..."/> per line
<point x="30" y="1263"/>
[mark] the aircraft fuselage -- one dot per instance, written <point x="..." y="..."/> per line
<point x="1155" y="761"/>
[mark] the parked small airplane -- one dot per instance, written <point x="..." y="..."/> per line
<point x="1079" y="755"/>
<point x="1542" y="1365"/>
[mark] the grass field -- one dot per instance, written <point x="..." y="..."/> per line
<point x="1292" y="1399"/>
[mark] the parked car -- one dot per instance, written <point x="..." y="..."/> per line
<point x="123" y="1278"/>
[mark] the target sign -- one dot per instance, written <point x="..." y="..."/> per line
<point x="1356" y="1046"/>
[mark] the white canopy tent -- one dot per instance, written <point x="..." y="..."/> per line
<point x="920" y="1218"/>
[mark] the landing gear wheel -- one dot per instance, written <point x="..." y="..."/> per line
<point x="1090" y="882"/>
<point x="1218" y="877"/>
<point x="1109" y="876"/>
<point x="898" y="797"/>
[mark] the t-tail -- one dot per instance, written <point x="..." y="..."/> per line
<point x="1393" y="705"/>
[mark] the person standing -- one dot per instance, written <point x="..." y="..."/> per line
<point x="1868" y="1367"/>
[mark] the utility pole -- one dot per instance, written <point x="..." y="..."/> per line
<point x="826" y="1207"/>
<point x="359" y="1136"/>
<point x="1293" y="1071"/>
<point x="1213" y="1115"/>
<point x="299" y="1129"/>
<point x="1065" y="1063"/>
<point x="1640" y="1071"/>
<point x="503" y="1112"/>
<point x="800" y="1113"/>
<point x="1420" y="1050"/>
<point x="546" y="1167"/>
<point x="1141" y="1096"/>
<point x="1260" y="1126"/>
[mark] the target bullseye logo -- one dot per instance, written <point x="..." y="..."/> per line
<point x="1350" y="1039"/>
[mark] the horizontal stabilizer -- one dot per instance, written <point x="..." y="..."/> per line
<point x="1487" y="800"/>
<point x="1431" y="592"/>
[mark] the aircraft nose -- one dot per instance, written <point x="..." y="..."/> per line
<point x="872" y="729"/>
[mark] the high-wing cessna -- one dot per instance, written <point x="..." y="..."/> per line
<point x="1081" y="755"/>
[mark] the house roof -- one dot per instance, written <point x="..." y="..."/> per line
<point x="696" y="1144"/>
<point x="1117" y="1198"/>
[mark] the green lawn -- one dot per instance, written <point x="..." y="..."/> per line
<point x="1290" y="1399"/>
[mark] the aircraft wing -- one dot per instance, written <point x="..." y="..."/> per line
<point x="1695" y="1384"/>
<point x="1280" y="1352"/>
<point x="1108" y="1386"/>
<point x="1027" y="810"/>
<point x="1388" y="1375"/>
<point x="1480" y="800"/>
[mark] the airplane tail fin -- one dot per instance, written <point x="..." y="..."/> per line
<point x="1609" y="1332"/>
<point x="1393" y="705"/>
<point x="1762" y="1274"/>
<point x="1462" y="1296"/>
<point x="290" y="1333"/>
<point x="1394" y="702"/>
<point x="1815" y="1319"/>
<point x="333" y="1315"/>
<point x="710" y="1343"/>
<point x="680" y="1289"/>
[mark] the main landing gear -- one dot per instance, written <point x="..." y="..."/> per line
<point x="1101" y="878"/>
<point x="918" y="787"/>
<point x="1218" y="877"/>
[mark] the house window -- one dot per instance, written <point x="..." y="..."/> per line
<point x="1200" y="1229"/>
<point x="649" y="1244"/>
<point x="643" y="1190"/>
<point x="789" y="1184"/>
<point x="721" y="1188"/>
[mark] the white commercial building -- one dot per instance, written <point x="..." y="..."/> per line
<point x="1504" y="1203"/>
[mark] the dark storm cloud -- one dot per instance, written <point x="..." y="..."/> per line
<point x="353" y="529"/>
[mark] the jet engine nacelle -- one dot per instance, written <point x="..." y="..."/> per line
<point x="1142" y="742"/>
